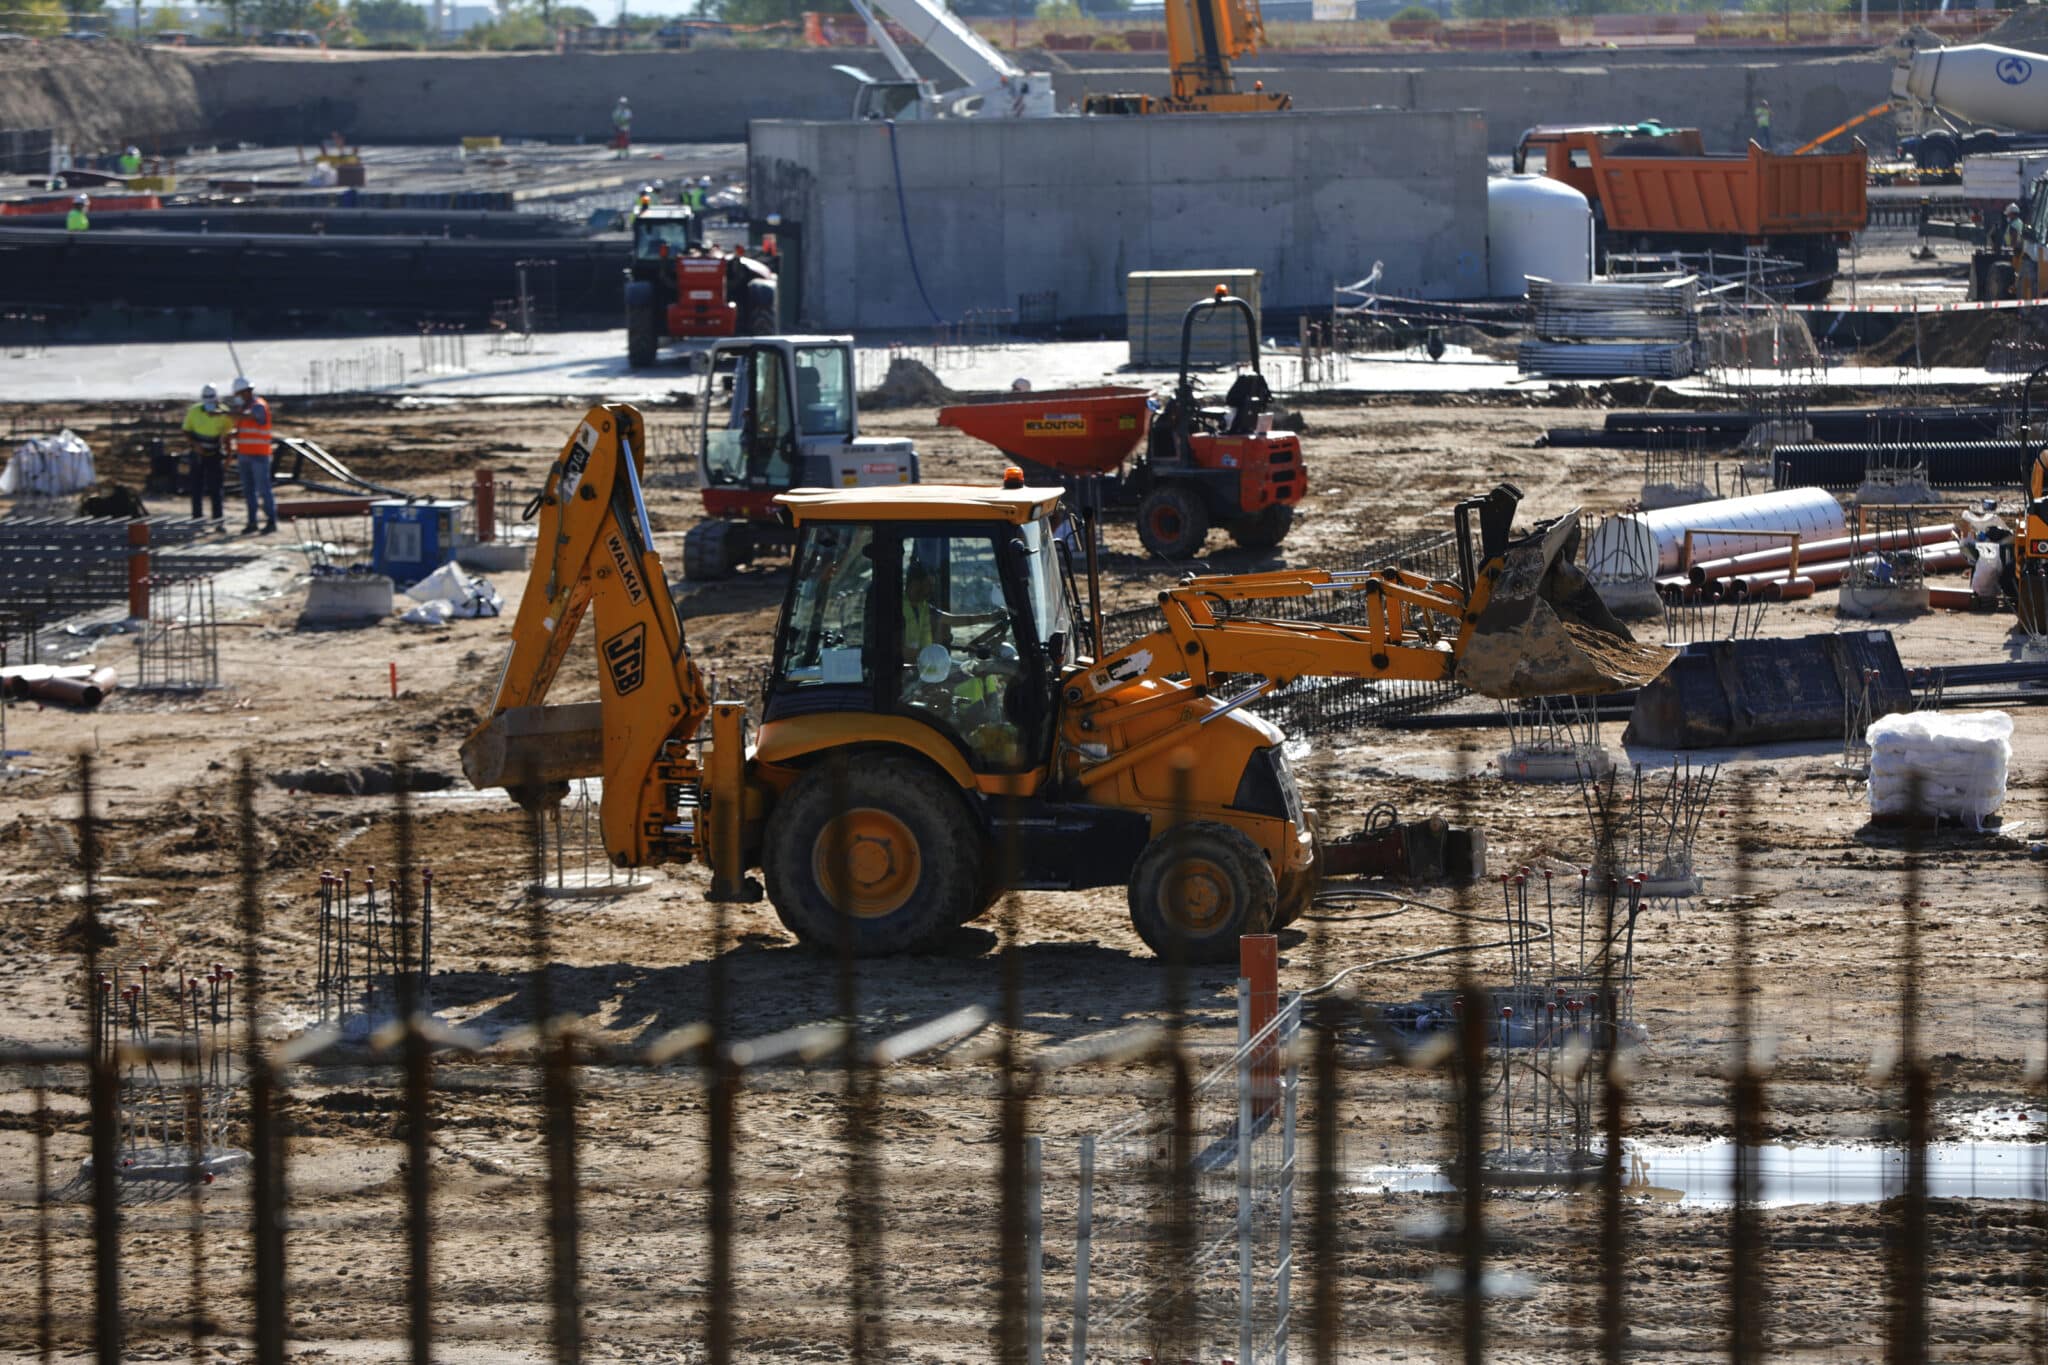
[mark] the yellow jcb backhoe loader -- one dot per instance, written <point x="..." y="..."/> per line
<point x="936" y="638"/>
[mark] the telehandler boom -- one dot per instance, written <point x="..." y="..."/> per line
<point x="940" y="722"/>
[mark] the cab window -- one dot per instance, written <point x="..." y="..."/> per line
<point x="960" y="670"/>
<point x="826" y="628"/>
<point x="747" y="424"/>
<point x="650" y="235"/>
<point x="824" y="391"/>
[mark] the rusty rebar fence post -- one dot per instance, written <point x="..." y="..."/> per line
<point x="721" y="1101"/>
<point x="1468" y="1082"/>
<point x="266" y="1150"/>
<point x="558" y="1113"/>
<point x="195" y="1211"/>
<point x="864" y="1230"/>
<point x="1748" y="1277"/>
<point x="1167" y="1325"/>
<point x="419" y="1084"/>
<point x="1606" y="1040"/>
<point x="1906" y="1342"/>
<point x="1010" y="1122"/>
<point x="102" y="1083"/>
<point x="46" y="1345"/>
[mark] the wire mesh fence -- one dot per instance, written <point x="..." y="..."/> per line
<point x="1856" y="1174"/>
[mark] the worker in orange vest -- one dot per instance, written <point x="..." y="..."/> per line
<point x="252" y="455"/>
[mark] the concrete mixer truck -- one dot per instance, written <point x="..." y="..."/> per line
<point x="2001" y="93"/>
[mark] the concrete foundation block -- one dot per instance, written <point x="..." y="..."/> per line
<point x="347" y="599"/>
<point x="1865" y="602"/>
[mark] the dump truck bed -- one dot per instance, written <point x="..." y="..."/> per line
<point x="1668" y="184"/>
<point x="1755" y="195"/>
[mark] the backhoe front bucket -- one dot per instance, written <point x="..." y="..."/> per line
<point x="1544" y="631"/>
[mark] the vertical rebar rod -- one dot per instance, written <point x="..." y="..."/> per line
<point x="266" y="1152"/>
<point x="864" y="1296"/>
<point x="1323" y="1229"/>
<point x="558" y="1113"/>
<point x="1606" y="1041"/>
<point x="1084" y="1247"/>
<point x="1907" y="1344"/>
<point x="1469" y="1090"/>
<point x="195" y="1214"/>
<point x="102" y="1081"/>
<point x="1011" y="1221"/>
<point x="46" y="1345"/>
<point x="1748" y="1285"/>
<point x="721" y="1082"/>
<point x="1034" y="1251"/>
<point x="419" y="1084"/>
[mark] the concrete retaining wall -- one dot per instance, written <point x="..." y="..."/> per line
<point x="710" y="95"/>
<point x="1000" y="209"/>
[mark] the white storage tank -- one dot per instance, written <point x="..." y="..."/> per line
<point x="1640" y="544"/>
<point x="1535" y="226"/>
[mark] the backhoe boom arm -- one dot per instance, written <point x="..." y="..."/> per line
<point x="595" y="553"/>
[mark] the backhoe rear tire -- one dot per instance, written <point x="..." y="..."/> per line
<point x="1263" y="529"/>
<point x="713" y="549"/>
<point x="912" y="854"/>
<point x="1173" y="522"/>
<point x="1197" y="888"/>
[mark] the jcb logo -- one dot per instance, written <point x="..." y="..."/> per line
<point x="625" y="654"/>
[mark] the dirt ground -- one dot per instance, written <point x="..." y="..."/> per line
<point x="1822" y="893"/>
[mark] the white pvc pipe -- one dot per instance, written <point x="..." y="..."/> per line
<point x="1639" y="544"/>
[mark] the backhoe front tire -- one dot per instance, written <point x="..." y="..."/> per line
<point x="1298" y="889"/>
<point x="1263" y="529"/>
<point x="1197" y="888"/>
<point x="911" y="853"/>
<point x="1173" y="522"/>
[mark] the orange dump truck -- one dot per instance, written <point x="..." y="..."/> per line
<point x="1657" y="189"/>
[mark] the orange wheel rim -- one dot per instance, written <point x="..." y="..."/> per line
<point x="1196" y="897"/>
<point x="881" y="861"/>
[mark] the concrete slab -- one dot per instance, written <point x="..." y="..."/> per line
<point x="592" y="365"/>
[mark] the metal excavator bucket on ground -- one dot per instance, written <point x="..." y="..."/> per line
<point x="1542" y="630"/>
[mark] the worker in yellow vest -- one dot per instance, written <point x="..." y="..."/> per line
<point x="207" y="427"/>
<point x="131" y="162"/>
<point x="252" y="455"/>
<point x="77" y="220"/>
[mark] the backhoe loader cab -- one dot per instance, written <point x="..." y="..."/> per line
<point x="778" y="413"/>
<point x="932" y="632"/>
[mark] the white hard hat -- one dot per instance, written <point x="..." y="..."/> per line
<point x="135" y="151"/>
<point x="81" y="199"/>
<point x="242" y="385"/>
<point x="622" y="99"/>
<point x="2012" y="209"/>
<point x="209" y="393"/>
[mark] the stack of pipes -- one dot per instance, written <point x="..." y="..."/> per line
<point x="1788" y="572"/>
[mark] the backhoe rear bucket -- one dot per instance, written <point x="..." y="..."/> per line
<point x="1544" y="631"/>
